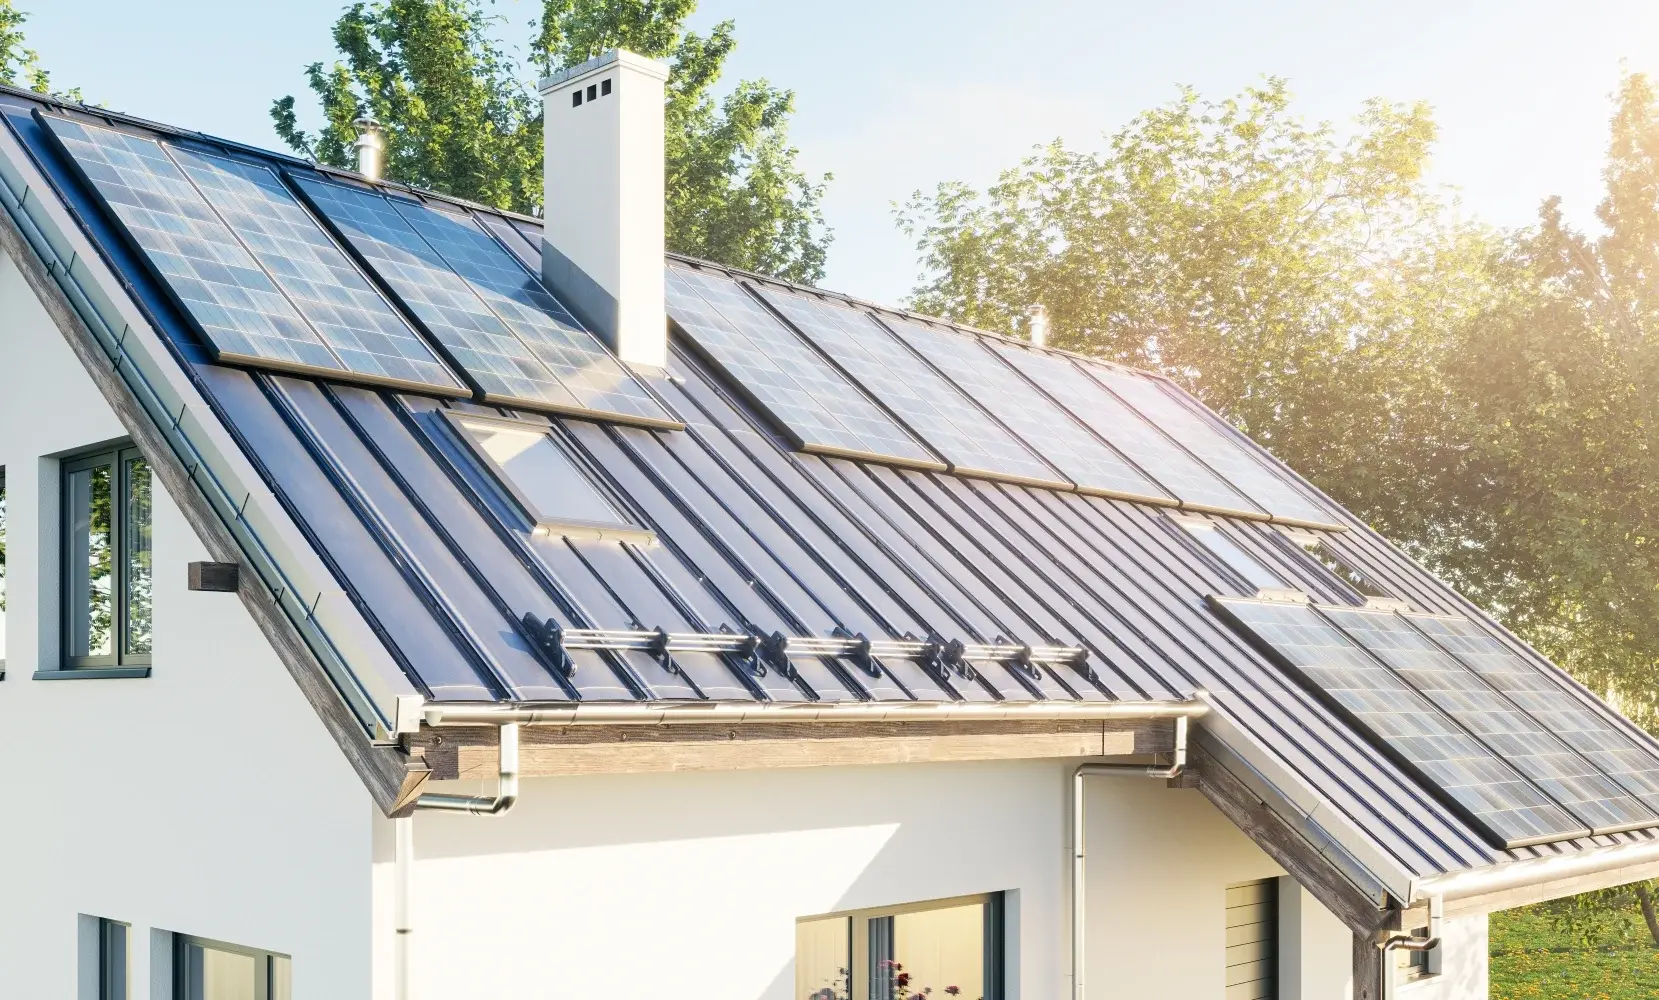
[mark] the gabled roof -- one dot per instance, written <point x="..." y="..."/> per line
<point x="408" y="569"/>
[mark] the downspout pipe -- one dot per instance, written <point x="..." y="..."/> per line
<point x="506" y="794"/>
<point x="1405" y="942"/>
<point x="1177" y="766"/>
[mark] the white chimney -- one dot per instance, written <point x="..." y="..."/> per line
<point x="602" y="249"/>
<point x="1037" y="324"/>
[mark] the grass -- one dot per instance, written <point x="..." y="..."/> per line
<point x="1534" y="960"/>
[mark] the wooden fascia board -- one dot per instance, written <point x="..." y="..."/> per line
<point x="469" y="752"/>
<point x="1542" y="891"/>
<point x="383" y="770"/>
<point x="1364" y="913"/>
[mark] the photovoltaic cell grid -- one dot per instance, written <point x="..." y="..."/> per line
<point x="929" y="405"/>
<point x="1494" y="796"/>
<point x="1213" y="446"/>
<point x="575" y="356"/>
<point x="1580" y="726"/>
<point x="1564" y="774"/>
<point x="513" y="361"/>
<point x="1068" y="445"/>
<point x="804" y="395"/>
<point x="238" y="308"/>
<point x="367" y="335"/>
<point x="1159" y="457"/>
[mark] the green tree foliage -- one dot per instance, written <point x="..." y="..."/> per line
<point x="19" y="64"/>
<point x="462" y="119"/>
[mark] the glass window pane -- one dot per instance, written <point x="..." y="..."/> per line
<point x="1228" y="552"/>
<point x="940" y="953"/>
<point x="542" y="475"/>
<point x="135" y="539"/>
<point x="112" y="973"/>
<point x="823" y="958"/>
<point x="221" y="975"/>
<point x="91" y="542"/>
<point x="282" y="978"/>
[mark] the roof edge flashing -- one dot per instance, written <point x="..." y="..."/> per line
<point x="743" y="713"/>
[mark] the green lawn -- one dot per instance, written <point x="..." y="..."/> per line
<point x="1531" y="960"/>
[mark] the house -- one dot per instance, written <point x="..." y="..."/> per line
<point x="399" y="605"/>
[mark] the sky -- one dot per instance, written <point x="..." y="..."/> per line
<point x="893" y="96"/>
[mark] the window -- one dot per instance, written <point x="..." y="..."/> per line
<point x="941" y="949"/>
<point x="543" y="479"/>
<point x="107" y="563"/>
<point x="1253" y="940"/>
<point x="1315" y="545"/>
<point x="1410" y="966"/>
<point x="1256" y="576"/>
<point x="210" y="970"/>
<point x="113" y="966"/>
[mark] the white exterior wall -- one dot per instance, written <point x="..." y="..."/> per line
<point x="206" y="799"/>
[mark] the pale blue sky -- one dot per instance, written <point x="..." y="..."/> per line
<point x="896" y="95"/>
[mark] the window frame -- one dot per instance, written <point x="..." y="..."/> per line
<point x="1304" y="541"/>
<point x="266" y="965"/>
<point x="862" y="925"/>
<point x="5" y="520"/>
<point x="118" y="662"/>
<point x="626" y="529"/>
<point x="114" y="959"/>
<point x="1195" y="532"/>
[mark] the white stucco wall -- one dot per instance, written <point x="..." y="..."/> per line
<point x="207" y="798"/>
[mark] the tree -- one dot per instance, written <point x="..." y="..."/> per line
<point x="1303" y="286"/>
<point x="20" y="65"/>
<point x="461" y="120"/>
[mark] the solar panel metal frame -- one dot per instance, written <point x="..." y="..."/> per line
<point x="1057" y="481"/>
<point x="477" y="394"/>
<point x="974" y="343"/>
<point x="1097" y="371"/>
<point x="1003" y="348"/>
<point x="165" y="285"/>
<point x="1463" y="670"/>
<point x="1496" y="837"/>
<point x="735" y="382"/>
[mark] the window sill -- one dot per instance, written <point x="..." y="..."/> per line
<point x="91" y="673"/>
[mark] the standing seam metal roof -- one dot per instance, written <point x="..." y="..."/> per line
<point x="754" y="536"/>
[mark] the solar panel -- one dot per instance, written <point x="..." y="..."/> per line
<point x="1215" y="447"/>
<point x="524" y="358"/>
<point x="364" y="331"/>
<point x="1176" y="472"/>
<point x="928" y="404"/>
<point x="805" y="396"/>
<point x="1580" y="726"/>
<point x="1490" y="793"/>
<point x="1045" y="427"/>
<point x="575" y="356"/>
<point x="236" y="307"/>
<point x="1565" y="775"/>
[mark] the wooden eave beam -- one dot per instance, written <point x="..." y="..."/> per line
<point x="552" y="750"/>
<point x="390" y="776"/>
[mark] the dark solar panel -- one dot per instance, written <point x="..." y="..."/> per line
<point x="236" y="306"/>
<point x="364" y="331"/>
<point x="1053" y="433"/>
<point x="575" y="356"/>
<point x="1580" y="726"/>
<point x="1489" y="791"/>
<point x="804" y="394"/>
<point x="928" y="404"/>
<point x="1217" y="448"/>
<point x="1567" y="776"/>
<point x="515" y="354"/>
<point x="1159" y="457"/>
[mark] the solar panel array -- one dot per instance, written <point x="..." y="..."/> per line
<point x="238" y="307"/>
<point x="804" y="395"/>
<point x="1413" y="687"/>
<point x="514" y="339"/>
<point x="937" y="411"/>
<point x="1200" y="434"/>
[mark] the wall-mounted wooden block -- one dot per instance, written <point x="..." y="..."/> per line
<point x="215" y="576"/>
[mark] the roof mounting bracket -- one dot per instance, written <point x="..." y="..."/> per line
<point x="859" y="651"/>
<point x="747" y="650"/>
<point x="548" y="638"/>
<point x="774" y="649"/>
